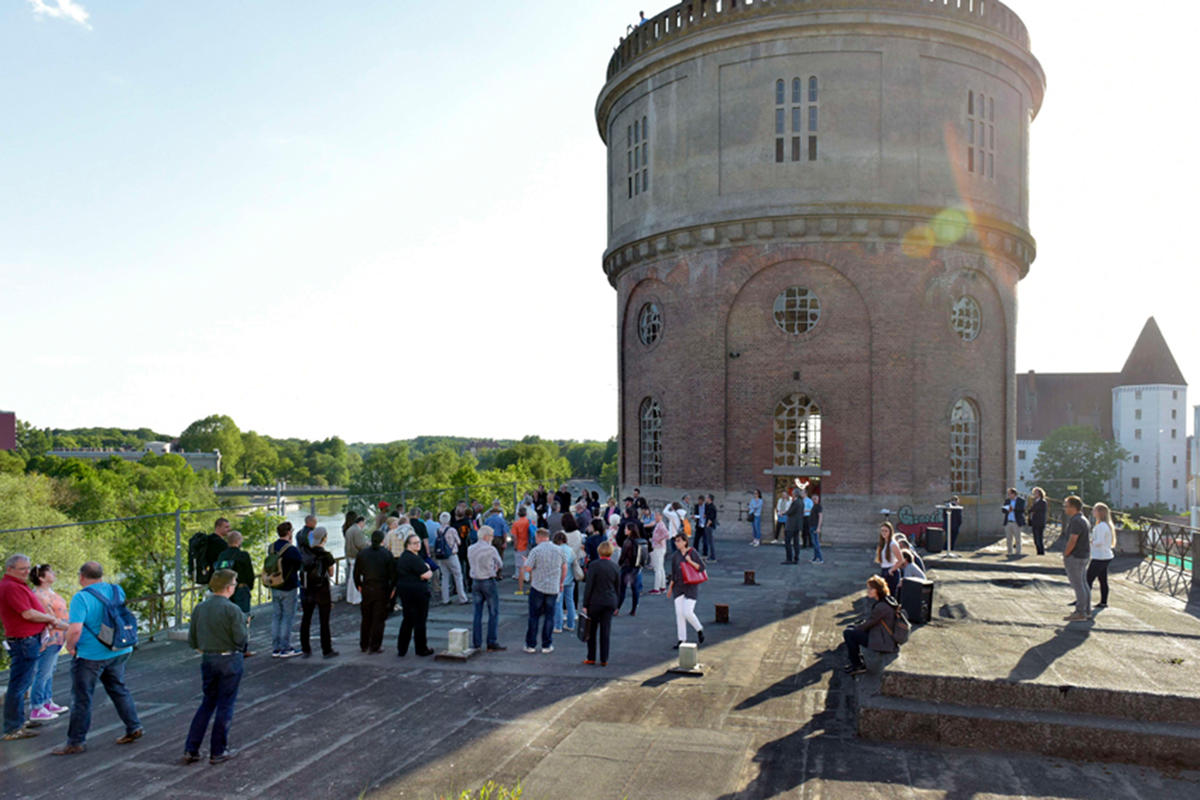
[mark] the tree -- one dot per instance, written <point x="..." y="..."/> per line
<point x="217" y="432"/>
<point x="258" y="455"/>
<point x="1077" y="455"/>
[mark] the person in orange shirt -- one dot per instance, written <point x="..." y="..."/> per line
<point x="521" y="530"/>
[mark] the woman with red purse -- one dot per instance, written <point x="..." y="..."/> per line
<point x="687" y="573"/>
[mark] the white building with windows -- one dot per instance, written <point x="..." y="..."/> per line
<point x="1194" y="468"/>
<point x="1143" y="408"/>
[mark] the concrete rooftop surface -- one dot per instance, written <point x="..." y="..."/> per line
<point x="773" y="715"/>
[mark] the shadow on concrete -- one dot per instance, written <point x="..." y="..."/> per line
<point x="1038" y="658"/>
<point x="826" y="662"/>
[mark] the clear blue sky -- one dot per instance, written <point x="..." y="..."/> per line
<point x="308" y="215"/>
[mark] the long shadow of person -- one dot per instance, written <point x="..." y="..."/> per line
<point x="1038" y="658"/>
<point x="793" y="683"/>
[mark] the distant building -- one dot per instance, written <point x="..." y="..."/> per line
<point x="8" y="430"/>
<point x="197" y="461"/>
<point x="1194" y="467"/>
<point x="1143" y="408"/>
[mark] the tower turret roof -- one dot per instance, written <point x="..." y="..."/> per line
<point x="1151" y="361"/>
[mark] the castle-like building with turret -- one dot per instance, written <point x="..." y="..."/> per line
<point x="817" y="220"/>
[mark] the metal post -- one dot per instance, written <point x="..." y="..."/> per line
<point x="178" y="568"/>
<point x="516" y="500"/>
<point x="279" y="497"/>
<point x="312" y="506"/>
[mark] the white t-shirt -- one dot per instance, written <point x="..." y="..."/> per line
<point x="1102" y="537"/>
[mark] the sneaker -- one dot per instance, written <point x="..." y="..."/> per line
<point x="558" y="630"/>
<point x="40" y="714"/>
<point x="818" y="561"/>
<point x="189" y="758"/>
<point x="700" y="636"/>
<point x="496" y="648"/>
<point x="221" y="759"/>
<point x="530" y="649"/>
<point x="53" y="708"/>
<point x="572" y="627"/>
<point x="274" y="654"/>
<point x="289" y="653"/>
<point x="19" y="733"/>
<point x="549" y="649"/>
<point x="1098" y="605"/>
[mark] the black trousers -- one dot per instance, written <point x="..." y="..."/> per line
<point x="316" y="599"/>
<point x="1039" y="538"/>
<point x="1099" y="569"/>
<point x="415" y="604"/>
<point x="375" y="601"/>
<point x="599" y="627"/>
<point x="779" y="526"/>
<point x="791" y="540"/>
<point x="806" y="533"/>
<point x="465" y="566"/>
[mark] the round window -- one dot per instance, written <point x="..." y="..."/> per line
<point x="797" y="310"/>
<point x="965" y="318"/>
<point x="649" y="324"/>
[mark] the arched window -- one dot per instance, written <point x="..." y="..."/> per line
<point x="966" y="318"/>
<point x="650" y="324"/>
<point x="650" y="439"/>
<point x="964" y="448"/>
<point x="797" y="432"/>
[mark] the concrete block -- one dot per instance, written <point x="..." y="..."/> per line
<point x="459" y="640"/>
<point x="796" y="227"/>
<point x="689" y="657"/>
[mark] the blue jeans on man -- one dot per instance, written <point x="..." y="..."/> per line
<point x="816" y="543"/>
<point x="540" y="605"/>
<point x="705" y="542"/>
<point x="220" y="676"/>
<point x="24" y="655"/>
<point x="485" y="592"/>
<point x="283" y="611"/>
<point x="111" y="673"/>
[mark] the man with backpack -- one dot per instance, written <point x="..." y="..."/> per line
<point x="218" y="633"/>
<point x="98" y="611"/>
<point x="884" y="631"/>
<point x="205" y="548"/>
<point x="280" y="572"/>
<point x="446" y="546"/>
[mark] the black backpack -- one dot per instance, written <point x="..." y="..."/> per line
<point x="441" y="548"/>
<point x="198" y="566"/>
<point x="312" y="574"/>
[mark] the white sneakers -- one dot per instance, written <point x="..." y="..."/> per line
<point x="549" y="649"/>
<point x="530" y="649"/>
<point x="42" y="714"/>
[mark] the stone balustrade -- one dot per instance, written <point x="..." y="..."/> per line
<point x="691" y="16"/>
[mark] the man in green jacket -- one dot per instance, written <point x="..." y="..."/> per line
<point x="218" y="631"/>
<point x="236" y="559"/>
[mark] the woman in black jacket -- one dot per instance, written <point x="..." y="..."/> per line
<point x="1037" y="519"/>
<point x="412" y="586"/>
<point x="317" y="567"/>
<point x="600" y="600"/>
<point x="685" y="595"/>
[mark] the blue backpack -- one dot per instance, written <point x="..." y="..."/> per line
<point x="441" y="548"/>
<point x="118" y="625"/>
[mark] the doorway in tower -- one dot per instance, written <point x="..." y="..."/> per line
<point x="796" y="445"/>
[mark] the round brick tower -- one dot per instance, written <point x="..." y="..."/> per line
<point x="817" y="220"/>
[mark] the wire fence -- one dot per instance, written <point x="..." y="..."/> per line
<point x="154" y="547"/>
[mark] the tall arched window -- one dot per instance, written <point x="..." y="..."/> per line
<point x="650" y="439"/>
<point x="797" y="432"/>
<point x="964" y="448"/>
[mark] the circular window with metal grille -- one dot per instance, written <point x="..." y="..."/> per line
<point x="965" y="318"/>
<point x="650" y="324"/>
<point x="797" y="310"/>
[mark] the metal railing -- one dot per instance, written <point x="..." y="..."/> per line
<point x="1170" y="553"/>
<point x="160" y="611"/>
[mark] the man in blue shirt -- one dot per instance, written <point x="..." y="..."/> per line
<point x="93" y="660"/>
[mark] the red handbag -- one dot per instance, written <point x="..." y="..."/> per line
<point x="691" y="575"/>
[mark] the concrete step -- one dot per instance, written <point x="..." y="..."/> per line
<point x="1084" y="737"/>
<point x="1040" y="697"/>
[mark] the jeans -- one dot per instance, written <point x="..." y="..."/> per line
<point x="855" y="641"/>
<point x="816" y="543"/>
<point x="24" y="654"/>
<point x="1098" y="568"/>
<point x="705" y="543"/>
<point x="283" y="611"/>
<point x="540" y="605"/>
<point x="892" y="579"/>
<point x="42" y="690"/>
<point x="220" y="676"/>
<point x="1077" y="574"/>
<point x="485" y="592"/>
<point x="631" y="577"/>
<point x="318" y="600"/>
<point x="599" y="627"/>
<point x="791" y="540"/>
<point x="756" y="524"/>
<point x="660" y="574"/>
<point x="111" y="673"/>
<point x="564" y="606"/>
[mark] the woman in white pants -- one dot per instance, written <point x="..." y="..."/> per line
<point x="450" y="564"/>
<point x="658" y="553"/>
<point x="685" y="594"/>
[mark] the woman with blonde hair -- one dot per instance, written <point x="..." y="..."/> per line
<point x="1103" y="540"/>
<point x="887" y="556"/>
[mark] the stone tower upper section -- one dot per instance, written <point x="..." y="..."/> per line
<point x="867" y="116"/>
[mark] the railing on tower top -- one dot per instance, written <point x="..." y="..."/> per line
<point x="694" y="15"/>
